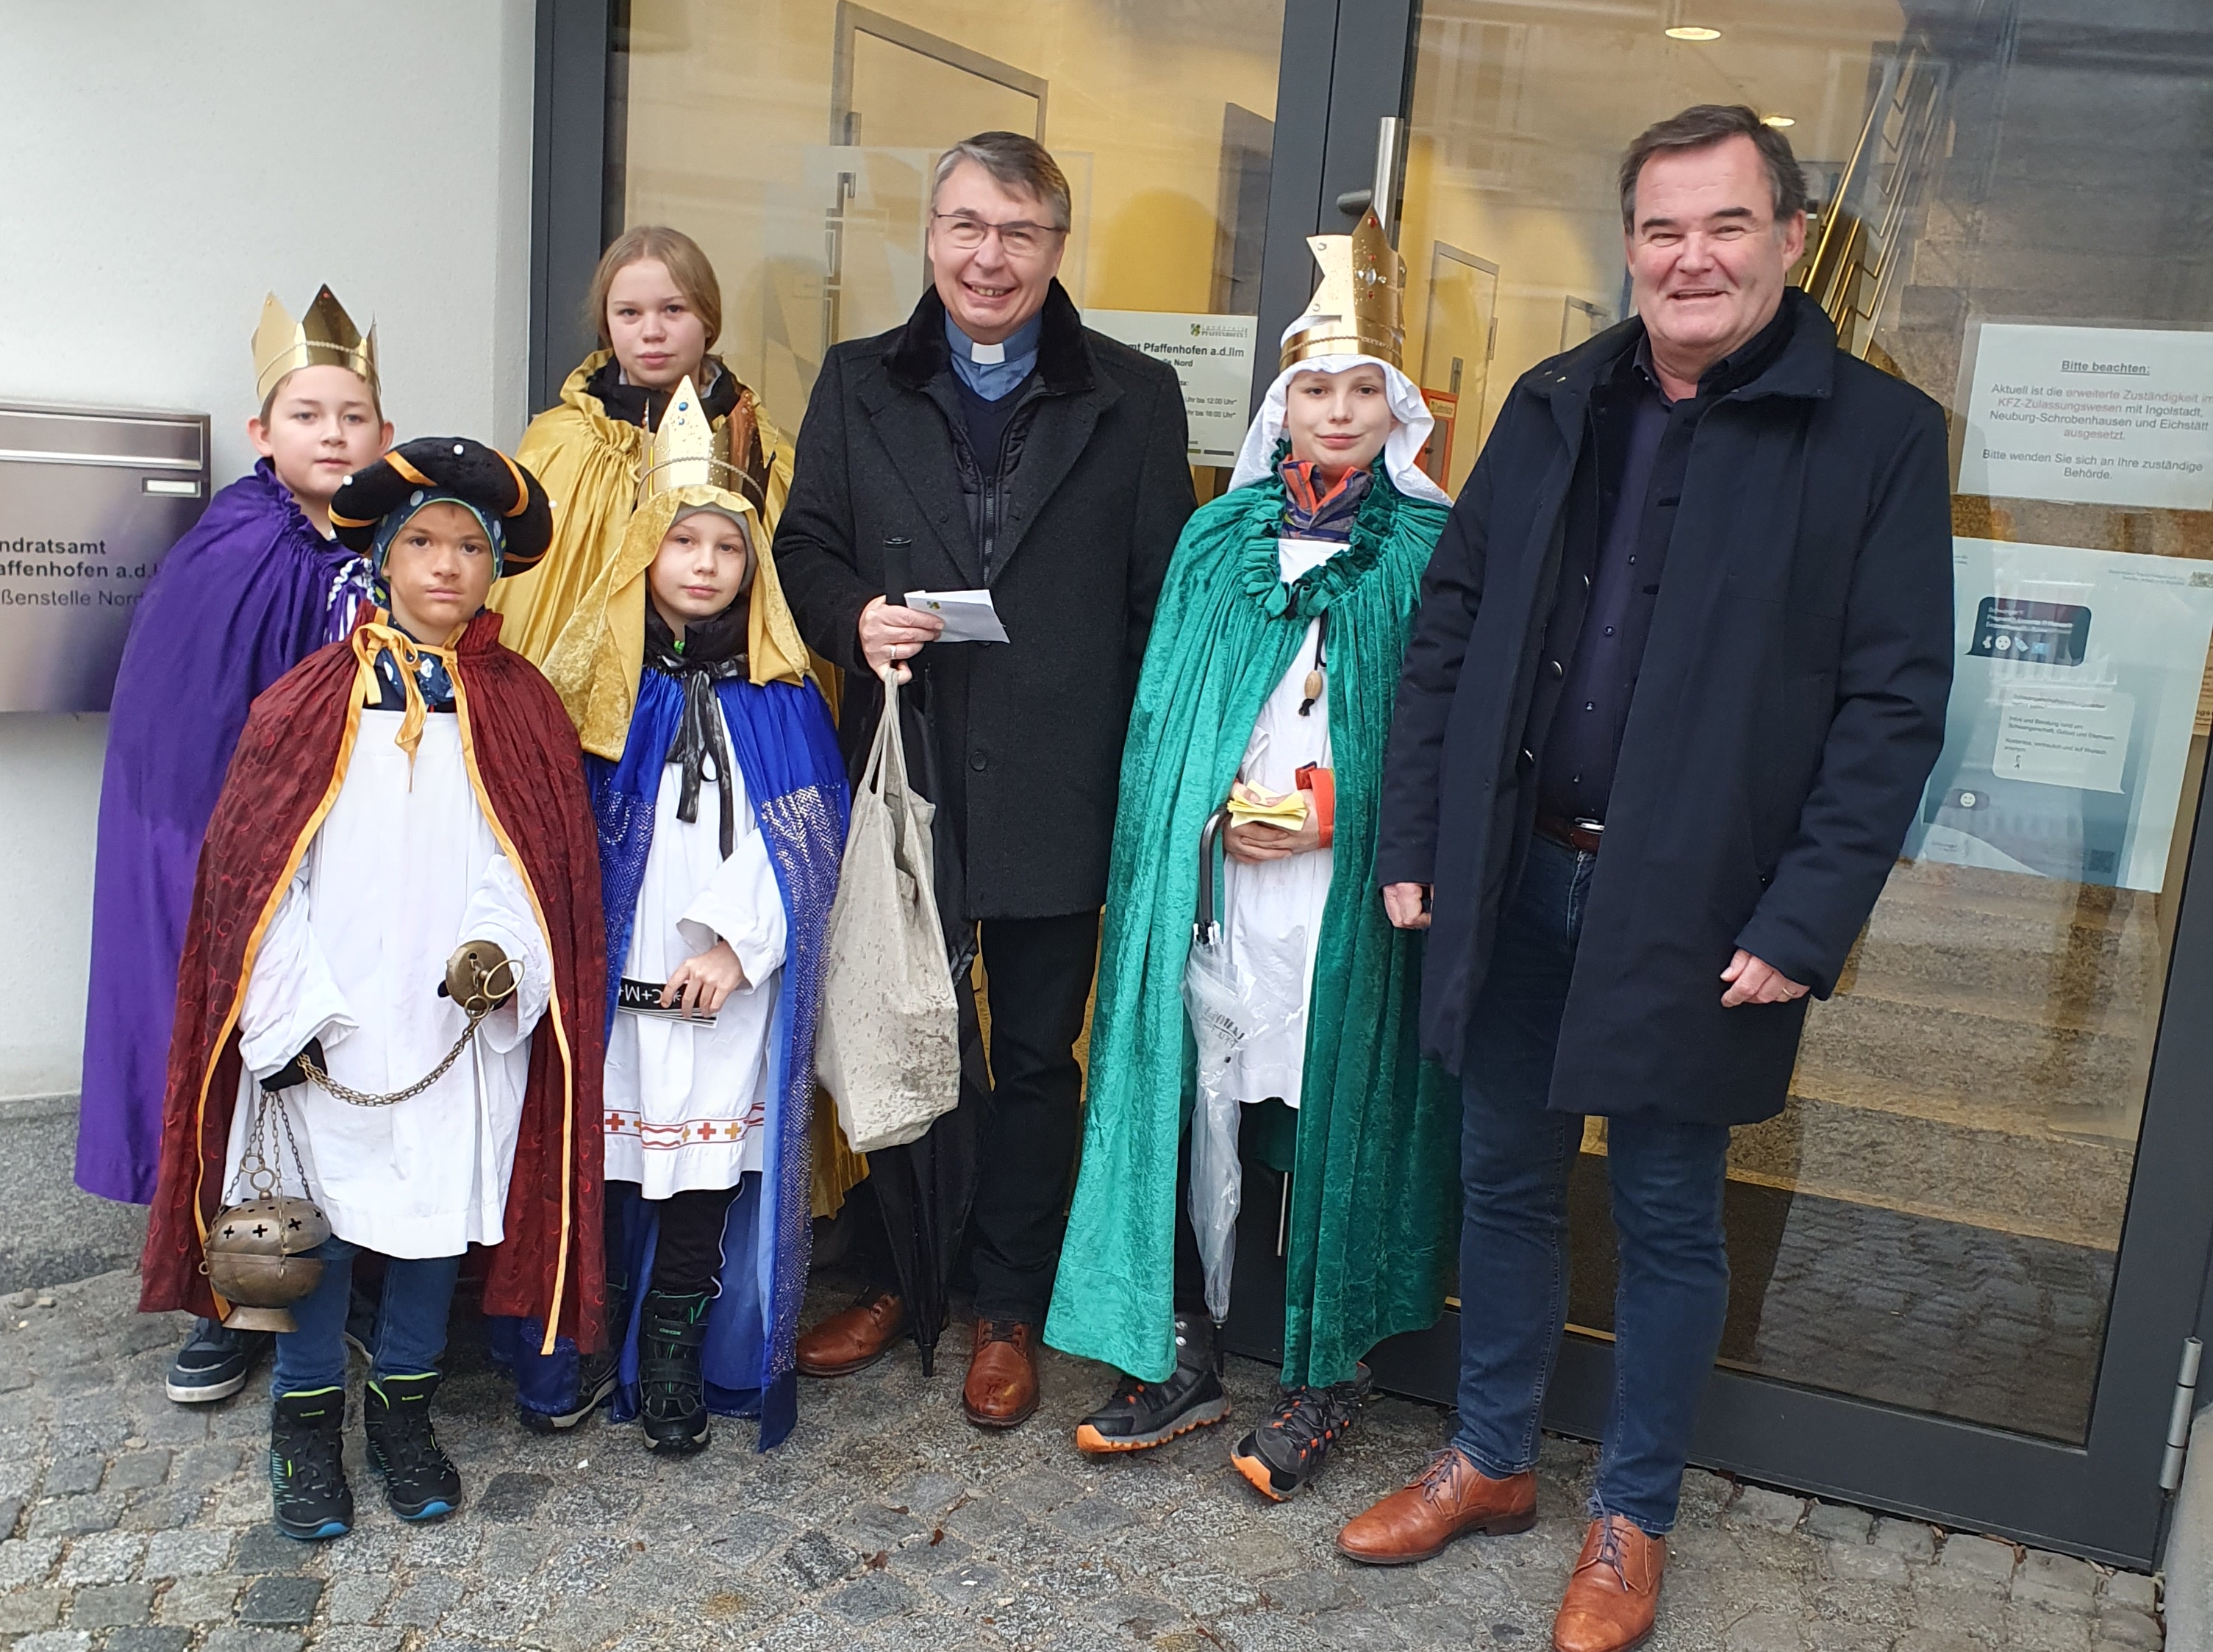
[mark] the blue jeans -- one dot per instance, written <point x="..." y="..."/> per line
<point x="1515" y="1155"/>
<point x="411" y="1321"/>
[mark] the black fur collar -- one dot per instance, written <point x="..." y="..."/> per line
<point x="1063" y="357"/>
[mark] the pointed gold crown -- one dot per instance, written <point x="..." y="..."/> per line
<point x="1356" y="310"/>
<point x="687" y="451"/>
<point x="325" y="337"/>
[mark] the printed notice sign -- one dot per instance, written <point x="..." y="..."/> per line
<point x="2074" y="691"/>
<point x="2102" y="416"/>
<point x="2058" y="736"/>
<point x="1212" y="356"/>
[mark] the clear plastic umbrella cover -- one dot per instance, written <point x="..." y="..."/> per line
<point x="1231" y="1002"/>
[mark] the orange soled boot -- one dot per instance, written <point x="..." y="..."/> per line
<point x="1449" y="1499"/>
<point x="1614" y="1593"/>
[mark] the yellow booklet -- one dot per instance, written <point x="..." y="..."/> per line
<point x="1249" y="803"/>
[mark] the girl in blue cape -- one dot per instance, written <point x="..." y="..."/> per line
<point x="722" y="810"/>
<point x="1267" y="687"/>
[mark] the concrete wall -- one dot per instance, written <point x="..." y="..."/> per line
<point x="167" y="165"/>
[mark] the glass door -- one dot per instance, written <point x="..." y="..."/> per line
<point x="795" y="140"/>
<point x="1962" y="1259"/>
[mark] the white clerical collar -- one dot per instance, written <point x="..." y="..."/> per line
<point x="986" y="355"/>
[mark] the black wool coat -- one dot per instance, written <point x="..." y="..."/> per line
<point x="1788" y="709"/>
<point x="1095" y="488"/>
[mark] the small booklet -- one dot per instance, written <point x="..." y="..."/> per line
<point x="1248" y="804"/>
<point x="969" y="616"/>
<point x="644" y="998"/>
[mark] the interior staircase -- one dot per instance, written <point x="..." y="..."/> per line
<point x="1983" y="1060"/>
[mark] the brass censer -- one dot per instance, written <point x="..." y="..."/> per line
<point x="256" y="1255"/>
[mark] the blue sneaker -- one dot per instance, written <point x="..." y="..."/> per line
<point x="214" y="1363"/>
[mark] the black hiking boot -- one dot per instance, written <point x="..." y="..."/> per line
<point x="306" y="1471"/>
<point x="1142" y="1415"/>
<point x="420" y="1481"/>
<point x="672" y="1390"/>
<point x="596" y="1374"/>
<point x="1285" y="1454"/>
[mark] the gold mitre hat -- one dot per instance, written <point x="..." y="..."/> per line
<point x="1356" y="310"/>
<point x="687" y="451"/>
<point x="325" y="337"/>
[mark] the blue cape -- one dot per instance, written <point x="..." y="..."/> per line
<point x="787" y="751"/>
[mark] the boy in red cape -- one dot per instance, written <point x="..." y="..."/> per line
<point x="394" y="795"/>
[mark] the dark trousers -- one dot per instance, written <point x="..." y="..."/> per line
<point x="1516" y="1154"/>
<point x="1039" y="974"/>
<point x="687" y="1257"/>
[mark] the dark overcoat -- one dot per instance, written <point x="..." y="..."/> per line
<point x="1788" y="711"/>
<point x="1094" y="489"/>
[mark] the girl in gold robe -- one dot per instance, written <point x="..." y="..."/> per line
<point x="658" y="309"/>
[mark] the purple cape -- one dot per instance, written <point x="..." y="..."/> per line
<point x="248" y="594"/>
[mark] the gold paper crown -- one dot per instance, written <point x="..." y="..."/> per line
<point x="1356" y="310"/>
<point x="687" y="451"/>
<point x="325" y="337"/>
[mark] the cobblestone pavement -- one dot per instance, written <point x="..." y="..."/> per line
<point x="886" y="1520"/>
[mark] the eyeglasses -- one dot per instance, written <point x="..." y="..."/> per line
<point x="1017" y="240"/>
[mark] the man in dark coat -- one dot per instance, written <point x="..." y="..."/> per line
<point x="1015" y="451"/>
<point x="1694" y="605"/>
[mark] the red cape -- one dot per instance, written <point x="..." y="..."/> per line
<point x="528" y="776"/>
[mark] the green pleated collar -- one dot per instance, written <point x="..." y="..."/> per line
<point x="1259" y="525"/>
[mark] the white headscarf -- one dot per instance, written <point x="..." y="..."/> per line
<point x="1410" y="428"/>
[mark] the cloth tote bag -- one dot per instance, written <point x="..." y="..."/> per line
<point x="888" y="1047"/>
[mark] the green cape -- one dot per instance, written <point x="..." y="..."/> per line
<point x="1374" y="1191"/>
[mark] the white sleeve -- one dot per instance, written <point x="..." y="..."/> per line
<point x="292" y="996"/>
<point x="500" y="911"/>
<point x="741" y="905"/>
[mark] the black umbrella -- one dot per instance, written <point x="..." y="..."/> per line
<point x="924" y="1188"/>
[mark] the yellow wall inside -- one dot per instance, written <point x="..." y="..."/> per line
<point x="729" y="129"/>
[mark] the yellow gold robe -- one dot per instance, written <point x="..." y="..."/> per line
<point x="589" y="465"/>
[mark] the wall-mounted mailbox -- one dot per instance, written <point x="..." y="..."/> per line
<point x="90" y="501"/>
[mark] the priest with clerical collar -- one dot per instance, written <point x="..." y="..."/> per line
<point x="1013" y="450"/>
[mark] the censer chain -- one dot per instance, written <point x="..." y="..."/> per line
<point x="346" y="1093"/>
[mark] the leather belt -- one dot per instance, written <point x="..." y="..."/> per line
<point x="1582" y="836"/>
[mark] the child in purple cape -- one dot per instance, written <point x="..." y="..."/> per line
<point x="257" y="586"/>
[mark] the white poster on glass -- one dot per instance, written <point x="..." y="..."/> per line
<point x="2102" y="416"/>
<point x="2074" y="692"/>
<point x="1212" y="356"/>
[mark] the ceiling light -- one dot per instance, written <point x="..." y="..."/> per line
<point x="1776" y="120"/>
<point x="1693" y="32"/>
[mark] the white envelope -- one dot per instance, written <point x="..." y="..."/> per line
<point x="969" y="616"/>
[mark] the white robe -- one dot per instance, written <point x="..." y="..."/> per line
<point x="403" y="870"/>
<point x="1263" y="905"/>
<point x="686" y="1106"/>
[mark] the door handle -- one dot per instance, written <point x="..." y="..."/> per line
<point x="1383" y="194"/>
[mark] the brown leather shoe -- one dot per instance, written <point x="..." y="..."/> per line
<point x="1002" y="1389"/>
<point x="850" y="1341"/>
<point x="1614" y="1593"/>
<point x="1449" y="1498"/>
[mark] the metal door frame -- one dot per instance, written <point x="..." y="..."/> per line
<point x="1350" y="62"/>
<point x="854" y="20"/>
